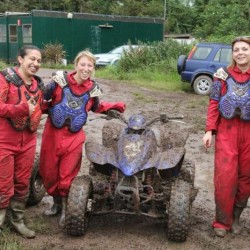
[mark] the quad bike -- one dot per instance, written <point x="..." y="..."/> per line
<point x="37" y="190"/>
<point x="138" y="169"/>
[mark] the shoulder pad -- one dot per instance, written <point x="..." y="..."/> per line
<point x="221" y="73"/>
<point x="12" y="77"/>
<point x="96" y="90"/>
<point x="60" y="78"/>
<point x="40" y="82"/>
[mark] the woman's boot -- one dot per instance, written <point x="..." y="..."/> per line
<point x="56" y="207"/>
<point x="236" y="227"/>
<point x="62" y="218"/>
<point x="2" y="218"/>
<point x="17" y="219"/>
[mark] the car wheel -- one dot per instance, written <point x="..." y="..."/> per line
<point x="203" y="85"/>
<point x="181" y="63"/>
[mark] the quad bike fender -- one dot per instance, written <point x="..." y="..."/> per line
<point x="167" y="159"/>
<point x="100" y="154"/>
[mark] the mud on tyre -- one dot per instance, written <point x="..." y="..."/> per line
<point x="110" y="133"/>
<point x="187" y="172"/>
<point x="179" y="211"/>
<point x="37" y="190"/>
<point x="78" y="210"/>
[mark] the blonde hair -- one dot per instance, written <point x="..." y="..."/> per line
<point x="85" y="53"/>
<point x="245" y="39"/>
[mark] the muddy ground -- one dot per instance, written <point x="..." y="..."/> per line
<point x="135" y="232"/>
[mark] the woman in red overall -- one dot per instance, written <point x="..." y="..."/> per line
<point x="228" y="118"/>
<point x="72" y="96"/>
<point x="20" y="113"/>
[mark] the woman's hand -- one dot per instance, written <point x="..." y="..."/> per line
<point x="31" y="103"/>
<point x="207" y="139"/>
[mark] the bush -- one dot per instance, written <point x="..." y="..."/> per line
<point x="2" y="64"/>
<point x="156" y="55"/>
<point x="53" y="53"/>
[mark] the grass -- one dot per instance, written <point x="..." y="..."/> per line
<point x="8" y="241"/>
<point x="2" y="65"/>
<point x="150" y="78"/>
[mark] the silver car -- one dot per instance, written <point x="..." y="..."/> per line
<point x="113" y="56"/>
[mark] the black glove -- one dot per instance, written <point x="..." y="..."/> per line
<point x="113" y="114"/>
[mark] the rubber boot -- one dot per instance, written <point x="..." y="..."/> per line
<point x="56" y="207"/>
<point x="2" y="218"/>
<point x="236" y="227"/>
<point x="17" y="219"/>
<point x="220" y="232"/>
<point x="63" y="213"/>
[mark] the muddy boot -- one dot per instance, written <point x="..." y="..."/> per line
<point x="56" y="207"/>
<point x="62" y="218"/>
<point x="2" y="218"/>
<point x="236" y="227"/>
<point x="220" y="232"/>
<point x="17" y="219"/>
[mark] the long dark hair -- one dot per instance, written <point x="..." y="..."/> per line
<point x="23" y="50"/>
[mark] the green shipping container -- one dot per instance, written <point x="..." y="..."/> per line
<point x="75" y="31"/>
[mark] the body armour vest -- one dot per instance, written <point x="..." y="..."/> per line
<point x="236" y="101"/>
<point x="70" y="111"/>
<point x="24" y="94"/>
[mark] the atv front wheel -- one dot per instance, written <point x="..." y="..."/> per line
<point x="78" y="206"/>
<point x="187" y="172"/>
<point x="37" y="190"/>
<point x="110" y="133"/>
<point x="179" y="211"/>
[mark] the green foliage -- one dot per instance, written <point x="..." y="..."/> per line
<point x="152" y="66"/>
<point x="148" y="77"/>
<point x="53" y="53"/>
<point x="204" y="19"/>
<point x="2" y="65"/>
<point x="8" y="242"/>
<point x="223" y="20"/>
<point x="158" y="55"/>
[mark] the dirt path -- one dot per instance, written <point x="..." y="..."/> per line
<point x="132" y="232"/>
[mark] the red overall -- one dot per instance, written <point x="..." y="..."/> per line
<point x="61" y="150"/>
<point x="17" y="147"/>
<point x="232" y="158"/>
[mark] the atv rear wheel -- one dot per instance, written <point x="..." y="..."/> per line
<point x="37" y="190"/>
<point x="78" y="206"/>
<point x="179" y="211"/>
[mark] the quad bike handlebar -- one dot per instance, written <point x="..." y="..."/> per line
<point x="115" y="114"/>
<point x="164" y="118"/>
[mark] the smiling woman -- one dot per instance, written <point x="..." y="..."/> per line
<point x="73" y="95"/>
<point x="20" y="112"/>
<point x="228" y="119"/>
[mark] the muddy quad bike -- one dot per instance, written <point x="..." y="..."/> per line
<point x="141" y="169"/>
<point x="37" y="190"/>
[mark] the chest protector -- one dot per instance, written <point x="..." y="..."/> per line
<point x="71" y="110"/>
<point x="236" y="101"/>
<point x="24" y="94"/>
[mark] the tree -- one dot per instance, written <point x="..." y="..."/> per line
<point x="223" y="18"/>
<point x="206" y="19"/>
